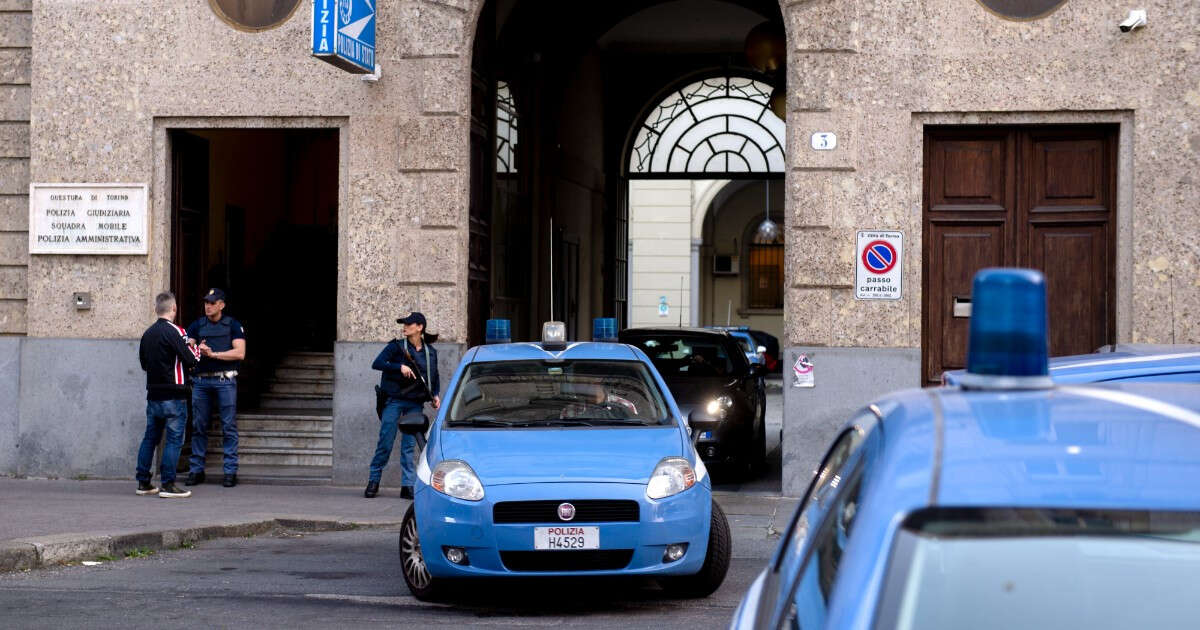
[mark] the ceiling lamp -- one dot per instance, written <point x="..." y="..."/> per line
<point x="766" y="47"/>
<point x="768" y="230"/>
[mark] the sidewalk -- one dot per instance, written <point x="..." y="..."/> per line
<point x="47" y="522"/>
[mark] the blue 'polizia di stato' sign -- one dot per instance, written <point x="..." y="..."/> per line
<point x="344" y="34"/>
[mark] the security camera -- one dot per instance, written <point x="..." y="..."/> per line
<point x="1136" y="19"/>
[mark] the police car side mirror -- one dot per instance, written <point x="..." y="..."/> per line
<point x="700" y="423"/>
<point x="757" y="369"/>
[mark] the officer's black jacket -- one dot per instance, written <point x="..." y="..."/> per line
<point x="393" y="382"/>
<point x="166" y="358"/>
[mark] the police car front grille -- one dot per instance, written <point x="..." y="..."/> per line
<point x="586" y="511"/>
<point x="589" y="560"/>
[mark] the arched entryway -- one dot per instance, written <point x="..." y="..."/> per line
<point x="556" y="180"/>
<point x="571" y="102"/>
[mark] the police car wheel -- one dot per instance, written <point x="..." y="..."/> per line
<point x="423" y="585"/>
<point x="716" y="562"/>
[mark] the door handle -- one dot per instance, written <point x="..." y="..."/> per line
<point x="962" y="306"/>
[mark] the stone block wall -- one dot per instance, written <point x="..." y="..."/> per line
<point x="16" y="25"/>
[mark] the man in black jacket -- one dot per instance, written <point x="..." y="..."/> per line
<point x="167" y="358"/>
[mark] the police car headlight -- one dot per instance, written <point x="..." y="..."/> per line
<point x="719" y="406"/>
<point x="455" y="478"/>
<point x="672" y="476"/>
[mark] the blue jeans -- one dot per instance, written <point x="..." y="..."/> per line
<point x="171" y="416"/>
<point x="207" y="390"/>
<point x="387" y="437"/>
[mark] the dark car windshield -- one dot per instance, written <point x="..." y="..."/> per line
<point x="561" y="393"/>
<point x="1038" y="568"/>
<point x="678" y="356"/>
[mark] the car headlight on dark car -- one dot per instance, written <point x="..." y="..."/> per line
<point x="671" y="476"/>
<point x="719" y="406"/>
<point x="453" y="477"/>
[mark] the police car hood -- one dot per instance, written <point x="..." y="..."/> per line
<point x="592" y="454"/>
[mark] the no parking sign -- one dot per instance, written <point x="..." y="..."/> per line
<point x="877" y="267"/>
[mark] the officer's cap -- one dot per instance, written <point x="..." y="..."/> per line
<point x="213" y="295"/>
<point x="412" y="318"/>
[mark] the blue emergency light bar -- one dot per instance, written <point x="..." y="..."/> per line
<point x="498" y="331"/>
<point x="604" y="329"/>
<point x="1007" y="347"/>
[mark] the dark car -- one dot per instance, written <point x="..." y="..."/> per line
<point x="769" y="342"/>
<point x="709" y="377"/>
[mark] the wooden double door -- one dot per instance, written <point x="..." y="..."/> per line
<point x="1041" y="197"/>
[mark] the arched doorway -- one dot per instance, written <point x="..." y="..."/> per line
<point x="573" y="101"/>
<point x="575" y="86"/>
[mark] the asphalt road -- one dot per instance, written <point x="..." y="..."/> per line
<point x="334" y="580"/>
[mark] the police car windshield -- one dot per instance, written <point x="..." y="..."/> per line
<point x="680" y="356"/>
<point x="566" y="393"/>
<point x="1025" y="568"/>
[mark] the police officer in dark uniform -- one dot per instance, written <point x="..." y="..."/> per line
<point x="410" y="379"/>
<point x="222" y="344"/>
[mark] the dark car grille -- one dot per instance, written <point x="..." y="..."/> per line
<point x="590" y="560"/>
<point x="586" y="511"/>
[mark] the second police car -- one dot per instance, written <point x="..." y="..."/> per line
<point x="1007" y="502"/>
<point x="561" y="459"/>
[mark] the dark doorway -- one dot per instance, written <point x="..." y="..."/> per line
<point x="255" y="214"/>
<point x="1041" y="197"/>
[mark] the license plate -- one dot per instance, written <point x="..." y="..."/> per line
<point x="564" y="537"/>
<point x="706" y="435"/>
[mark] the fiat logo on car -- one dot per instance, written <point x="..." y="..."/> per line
<point x="566" y="511"/>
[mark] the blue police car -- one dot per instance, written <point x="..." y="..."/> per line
<point x="1125" y="362"/>
<point x="561" y="459"/>
<point x="1008" y="502"/>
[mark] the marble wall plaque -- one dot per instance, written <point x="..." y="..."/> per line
<point x="87" y="218"/>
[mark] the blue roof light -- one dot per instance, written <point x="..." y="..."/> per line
<point x="604" y="329"/>
<point x="1007" y="348"/>
<point x="498" y="331"/>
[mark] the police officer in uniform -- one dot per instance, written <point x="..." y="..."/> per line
<point x="410" y="378"/>
<point x="222" y="344"/>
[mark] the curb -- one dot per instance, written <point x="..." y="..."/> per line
<point x="22" y="554"/>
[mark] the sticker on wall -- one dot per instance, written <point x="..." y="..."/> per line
<point x="663" y="309"/>
<point x="1022" y="9"/>
<point x="802" y="372"/>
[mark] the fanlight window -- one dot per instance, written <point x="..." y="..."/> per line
<point x="506" y="129"/>
<point x="718" y="125"/>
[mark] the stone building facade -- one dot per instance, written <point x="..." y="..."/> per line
<point x="93" y="91"/>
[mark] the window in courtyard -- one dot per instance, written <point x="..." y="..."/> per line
<point x="718" y="125"/>
<point x="254" y="15"/>
<point x="506" y="130"/>
<point x="766" y="272"/>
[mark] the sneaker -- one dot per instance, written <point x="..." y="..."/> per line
<point x="169" y="491"/>
<point x="406" y="493"/>
<point x="194" y="478"/>
<point x="229" y="481"/>
<point x="372" y="489"/>
<point x="145" y="487"/>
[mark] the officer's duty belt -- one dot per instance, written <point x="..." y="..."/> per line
<point x="229" y="374"/>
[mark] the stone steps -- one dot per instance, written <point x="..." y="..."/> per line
<point x="323" y="387"/>
<point x="319" y="440"/>
<point x="304" y="373"/>
<point x="296" y="401"/>
<point x="307" y="360"/>
<point x="289" y="439"/>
